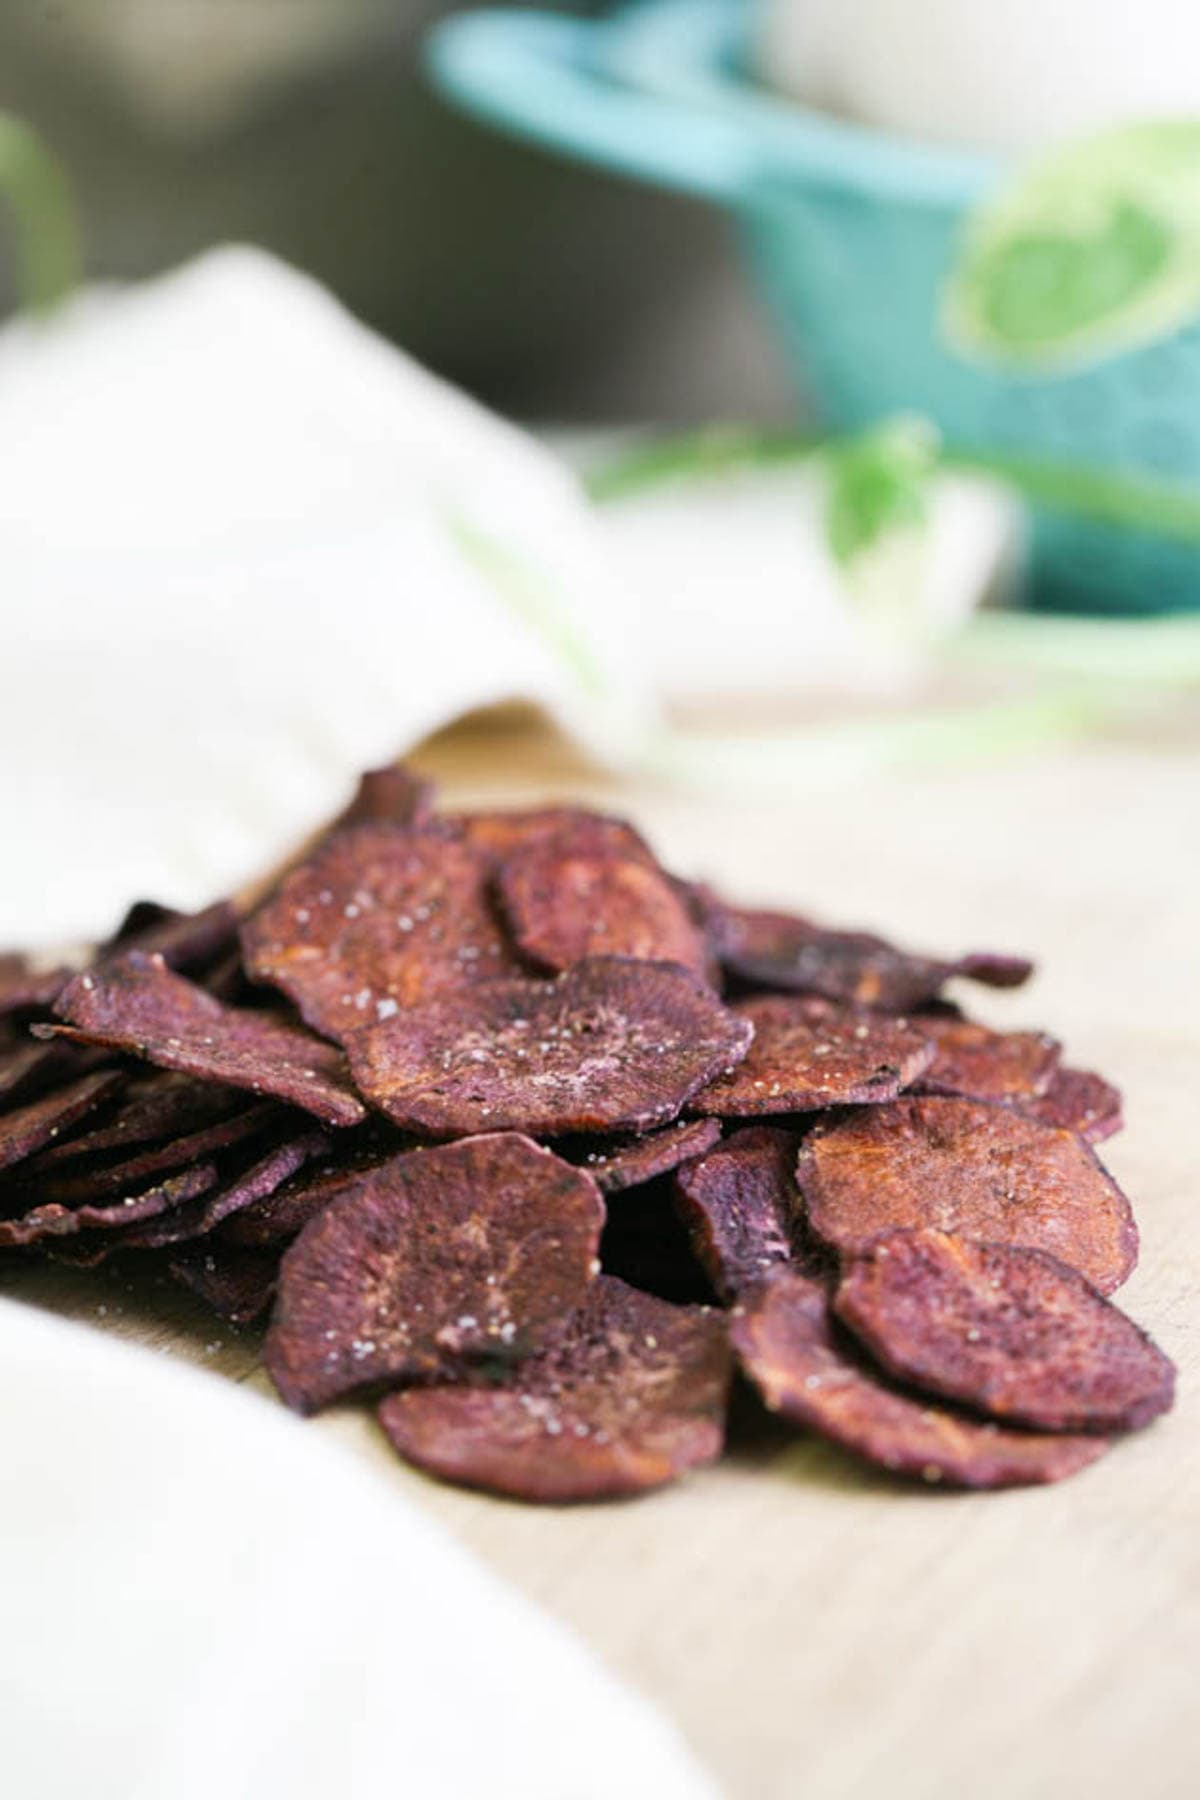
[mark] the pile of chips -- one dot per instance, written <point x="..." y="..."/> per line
<point x="539" y="1148"/>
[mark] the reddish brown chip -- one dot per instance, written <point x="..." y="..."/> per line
<point x="741" y="1207"/>
<point x="808" y="1054"/>
<point x="276" y="1218"/>
<point x="979" y="1171"/>
<point x="1079" y="1100"/>
<point x="238" y="1285"/>
<point x="26" y="1129"/>
<point x="987" y="1065"/>
<point x="628" y="1395"/>
<point x="436" y="1260"/>
<point x="499" y="835"/>
<point x="92" y="1182"/>
<point x="136" y="1004"/>
<point x="632" y="1159"/>
<point x="153" y="1108"/>
<point x="610" y="1043"/>
<point x="802" y="1369"/>
<point x="567" y="897"/>
<point x="1011" y="1332"/>
<point x="782" y="950"/>
<point x="263" y="1177"/>
<point x="26" y="987"/>
<point x="395" y="795"/>
<point x="53" y="1221"/>
<point x="183" y="940"/>
<point x="378" y="918"/>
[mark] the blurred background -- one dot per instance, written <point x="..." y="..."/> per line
<point x="309" y="127"/>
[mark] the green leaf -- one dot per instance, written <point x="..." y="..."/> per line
<point x="879" y="485"/>
<point x="34" y="183"/>
<point x="1091" y="251"/>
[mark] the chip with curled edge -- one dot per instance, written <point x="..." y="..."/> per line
<point x="379" y="918"/>
<point x="627" y="1395"/>
<point x="808" y="1054"/>
<point x="975" y="1170"/>
<point x="136" y="1004"/>
<point x="1013" y="1333"/>
<point x="741" y="1207"/>
<point x="434" y="1261"/>
<point x="789" y="1350"/>
<point x="611" y="1043"/>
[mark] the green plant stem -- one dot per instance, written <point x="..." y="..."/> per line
<point x="35" y="185"/>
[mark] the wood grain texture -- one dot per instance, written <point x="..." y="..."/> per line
<point x="814" y="1629"/>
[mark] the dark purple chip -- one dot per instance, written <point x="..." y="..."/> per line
<point x="742" y="1209"/>
<point x="1079" y="1100"/>
<point x="809" y="1054"/>
<point x="785" y="951"/>
<point x="267" y="1173"/>
<point x="237" y="1285"/>
<point x="1012" y="1333"/>
<point x="612" y="1043"/>
<point x="136" y="1004"/>
<point x="568" y="896"/>
<point x="29" y="1128"/>
<point x="73" y="1186"/>
<point x="106" y="1225"/>
<point x="633" y="1158"/>
<point x="153" y="1107"/>
<point x="184" y="940"/>
<point x="27" y="1065"/>
<point x="395" y="795"/>
<point x="980" y="1064"/>
<point x="379" y="918"/>
<point x="788" y="1349"/>
<point x="977" y="1171"/>
<point x="628" y="1395"/>
<point x="278" y="1217"/>
<point x="429" y="1264"/>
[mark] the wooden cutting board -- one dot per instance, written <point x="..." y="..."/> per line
<point x="816" y="1630"/>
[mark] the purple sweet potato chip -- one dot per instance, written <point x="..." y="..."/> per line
<point x="237" y="1285"/>
<point x="138" y="1005"/>
<point x="395" y="795"/>
<point x="26" y="1129"/>
<point x="379" y="918"/>
<point x="632" y="1158"/>
<point x="628" y="1394"/>
<point x="790" y="1351"/>
<point x="432" y="1262"/>
<point x="742" y="1209"/>
<point x="111" y="1221"/>
<point x="611" y="1043"/>
<point x="809" y="1054"/>
<point x="1079" y="1100"/>
<point x="978" y="1171"/>
<point x="979" y="1064"/>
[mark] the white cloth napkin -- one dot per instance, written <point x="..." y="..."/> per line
<point x="248" y="548"/>
<point x="202" y="1597"/>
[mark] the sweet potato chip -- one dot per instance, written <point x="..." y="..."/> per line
<point x="26" y="1065"/>
<point x="633" y="1158"/>
<point x="27" y="1129"/>
<point x="184" y="940"/>
<point x="153" y="1107"/>
<point x="136" y="1004"/>
<point x="432" y="1262"/>
<point x="1013" y="1333"/>
<point x="809" y="1053"/>
<point x="1079" y="1100"/>
<point x="238" y="1285"/>
<point x="72" y="1186"/>
<point x="379" y="918"/>
<point x="610" y="1043"/>
<point x="784" y="1340"/>
<point x="980" y="1064"/>
<point x="566" y="897"/>
<point x="278" y="1217"/>
<point x="395" y="795"/>
<point x="742" y="1209"/>
<point x="54" y="1221"/>
<point x="628" y="1395"/>
<point x="978" y="1171"/>
<point x="499" y="835"/>
<point x="267" y="1173"/>
<point x="782" y="950"/>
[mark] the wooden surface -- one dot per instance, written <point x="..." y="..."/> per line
<point x="815" y="1630"/>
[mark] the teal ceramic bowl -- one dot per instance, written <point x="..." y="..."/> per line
<point x="850" y="233"/>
